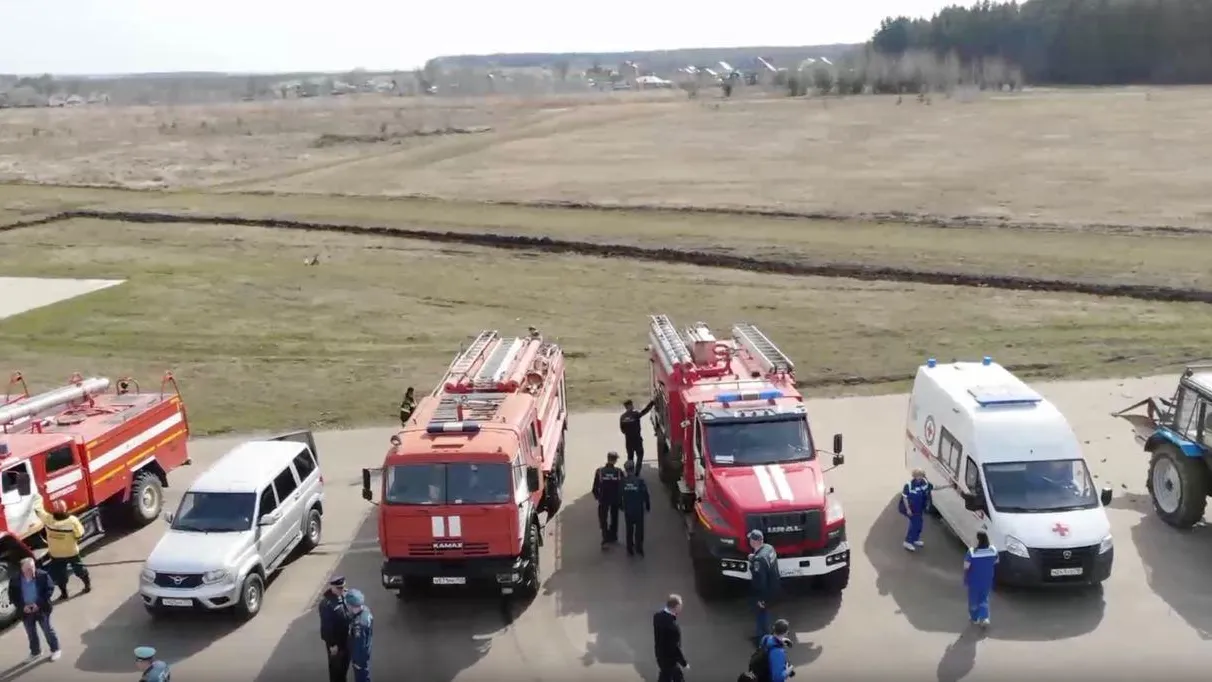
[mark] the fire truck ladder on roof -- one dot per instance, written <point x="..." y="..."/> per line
<point x="670" y="343"/>
<point x="762" y="348"/>
<point x="465" y="360"/>
<point x="473" y="407"/>
<point x="497" y="365"/>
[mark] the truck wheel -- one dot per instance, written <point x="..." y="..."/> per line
<point x="1178" y="486"/>
<point x="531" y="578"/>
<point x="312" y="530"/>
<point x="146" y="498"/>
<point x="252" y="592"/>
<point x="8" y="612"/>
<point x="837" y="581"/>
<point x="553" y="498"/>
<point x="708" y="584"/>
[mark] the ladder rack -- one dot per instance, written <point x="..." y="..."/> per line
<point x="497" y="365"/>
<point x="762" y="348"/>
<point x="666" y="338"/>
<point x="475" y="407"/>
<point x="467" y="359"/>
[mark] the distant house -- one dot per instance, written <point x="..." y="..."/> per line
<point x="652" y="82"/>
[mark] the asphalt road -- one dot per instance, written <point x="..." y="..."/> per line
<point x="903" y="615"/>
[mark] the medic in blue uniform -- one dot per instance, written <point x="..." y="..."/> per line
<point x="979" y="566"/>
<point x="361" y="629"/>
<point x="915" y="500"/>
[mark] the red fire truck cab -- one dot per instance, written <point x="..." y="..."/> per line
<point x="736" y="451"/>
<point x="479" y="460"/>
<point x="94" y="450"/>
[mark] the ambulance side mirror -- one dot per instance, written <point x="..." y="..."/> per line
<point x="973" y="503"/>
<point x="1105" y="497"/>
<point x="366" y="494"/>
<point x="533" y="482"/>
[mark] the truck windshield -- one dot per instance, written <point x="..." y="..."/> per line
<point x="765" y="441"/>
<point x="215" y="512"/>
<point x="1039" y="487"/>
<point x="460" y="483"/>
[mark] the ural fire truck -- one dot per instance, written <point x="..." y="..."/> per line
<point x="480" y="458"/>
<point x="94" y="450"/>
<point x="735" y="449"/>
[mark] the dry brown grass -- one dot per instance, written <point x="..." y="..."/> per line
<point x="259" y="340"/>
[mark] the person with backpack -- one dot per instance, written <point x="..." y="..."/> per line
<point x="764" y="581"/>
<point x="980" y="565"/>
<point x="769" y="662"/>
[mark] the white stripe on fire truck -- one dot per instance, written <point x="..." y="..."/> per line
<point x="780" y="482"/>
<point x="135" y="443"/>
<point x="54" y="485"/>
<point x="439" y="526"/>
<point x="764" y="482"/>
<point x="454" y="526"/>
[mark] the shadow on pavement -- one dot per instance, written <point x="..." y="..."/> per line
<point x="929" y="591"/>
<point x="1175" y="563"/>
<point x="431" y="637"/>
<point x="960" y="657"/>
<point x="108" y="647"/>
<point x="619" y="594"/>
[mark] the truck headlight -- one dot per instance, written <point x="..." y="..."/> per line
<point x="1105" y="546"/>
<point x="147" y="575"/>
<point x="215" y="576"/>
<point x="1016" y="547"/>
<point x="833" y="511"/>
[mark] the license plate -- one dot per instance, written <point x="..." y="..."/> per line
<point x="794" y="571"/>
<point x="1057" y="572"/>
<point x="450" y="581"/>
<point x="177" y="602"/>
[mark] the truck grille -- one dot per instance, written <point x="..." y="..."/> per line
<point x="1079" y="557"/>
<point x="178" y="580"/>
<point x="791" y="528"/>
<point x="436" y="549"/>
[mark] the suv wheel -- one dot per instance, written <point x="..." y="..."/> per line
<point x="311" y="530"/>
<point x="252" y="592"/>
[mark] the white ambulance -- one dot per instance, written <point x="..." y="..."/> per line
<point x="1004" y="460"/>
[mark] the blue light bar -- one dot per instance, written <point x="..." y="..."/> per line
<point x="987" y="396"/>
<point x="931" y="362"/>
<point x="986" y="361"/>
<point x="453" y="427"/>
<point x="749" y="395"/>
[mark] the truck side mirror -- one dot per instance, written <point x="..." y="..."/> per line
<point x="837" y="443"/>
<point x="366" y="494"/>
<point x="533" y="482"/>
<point x="1105" y="497"/>
<point x="973" y="503"/>
<point x="23" y="485"/>
<point x="839" y="460"/>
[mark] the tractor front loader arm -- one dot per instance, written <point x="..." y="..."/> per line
<point x="1145" y="425"/>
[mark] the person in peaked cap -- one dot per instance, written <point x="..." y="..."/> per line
<point x="608" y="491"/>
<point x="154" y="670"/>
<point x="334" y="628"/>
<point x="361" y="631"/>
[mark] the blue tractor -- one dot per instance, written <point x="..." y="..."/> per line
<point x="1177" y="434"/>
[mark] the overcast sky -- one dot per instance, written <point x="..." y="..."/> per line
<point x="128" y="36"/>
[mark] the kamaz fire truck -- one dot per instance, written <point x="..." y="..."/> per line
<point x="466" y="479"/>
<point x="92" y="449"/>
<point x="735" y="449"/>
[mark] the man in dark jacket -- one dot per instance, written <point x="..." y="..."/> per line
<point x="31" y="591"/>
<point x="334" y="629"/>
<point x="667" y="641"/>
<point x="764" y="581"/>
<point x="633" y="433"/>
<point x="636" y="503"/>
<point x="608" y="491"/>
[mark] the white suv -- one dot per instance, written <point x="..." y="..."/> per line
<point x="237" y="524"/>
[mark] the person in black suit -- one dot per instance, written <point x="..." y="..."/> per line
<point x="667" y="640"/>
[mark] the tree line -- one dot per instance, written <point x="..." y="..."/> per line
<point x="1067" y="42"/>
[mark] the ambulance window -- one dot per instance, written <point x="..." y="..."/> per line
<point x="972" y="479"/>
<point x="950" y="451"/>
<point x="59" y="458"/>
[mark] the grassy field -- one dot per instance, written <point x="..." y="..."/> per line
<point x="259" y="340"/>
<point x="1131" y="156"/>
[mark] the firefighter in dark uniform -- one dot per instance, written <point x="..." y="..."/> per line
<point x="334" y="629"/>
<point x="636" y="503"/>
<point x="407" y="405"/>
<point x="361" y="629"/>
<point x="633" y="434"/>
<point x="608" y="491"/>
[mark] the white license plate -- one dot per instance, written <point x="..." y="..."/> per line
<point x="450" y="581"/>
<point x="177" y="602"/>
<point x="1057" y="572"/>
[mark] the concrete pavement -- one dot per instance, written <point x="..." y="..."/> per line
<point x="903" y="615"/>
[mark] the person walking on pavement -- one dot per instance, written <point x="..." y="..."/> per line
<point x="769" y="662"/>
<point x="633" y="433"/>
<point x="980" y="565"/>
<point x="334" y="629"/>
<point x="915" y="500"/>
<point x="30" y="592"/>
<point x="608" y="490"/>
<point x="361" y="631"/>
<point x="63" y="534"/>
<point x="667" y="641"/>
<point x="407" y="405"/>
<point x="636" y="503"/>
<point x="154" y="670"/>
<point x="763" y="582"/>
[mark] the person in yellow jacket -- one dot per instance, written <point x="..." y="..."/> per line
<point x="63" y="534"/>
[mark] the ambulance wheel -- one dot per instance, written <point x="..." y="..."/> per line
<point x="836" y="581"/>
<point x="312" y="531"/>
<point x="146" y="498"/>
<point x="8" y="611"/>
<point x="1178" y="486"/>
<point x="708" y="584"/>
<point x="252" y="593"/>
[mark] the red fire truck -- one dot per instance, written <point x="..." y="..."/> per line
<point x="95" y="450"/>
<point x="736" y="451"/>
<point x="479" y="460"/>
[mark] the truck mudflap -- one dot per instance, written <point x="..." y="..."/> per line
<point x="1145" y="425"/>
<point x="803" y="566"/>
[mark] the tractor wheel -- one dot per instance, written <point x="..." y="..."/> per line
<point x="1178" y="486"/>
